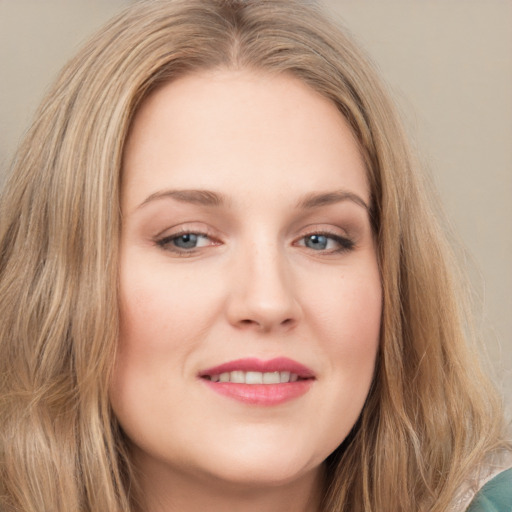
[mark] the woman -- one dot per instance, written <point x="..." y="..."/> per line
<point x="222" y="285"/>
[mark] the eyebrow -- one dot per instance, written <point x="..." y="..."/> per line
<point x="313" y="200"/>
<point x="210" y="198"/>
<point x="200" y="197"/>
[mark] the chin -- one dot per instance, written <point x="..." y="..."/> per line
<point x="263" y="466"/>
<point x="249" y="476"/>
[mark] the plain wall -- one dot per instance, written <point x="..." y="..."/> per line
<point x="449" y="66"/>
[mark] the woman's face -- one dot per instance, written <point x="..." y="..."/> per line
<point x="250" y="290"/>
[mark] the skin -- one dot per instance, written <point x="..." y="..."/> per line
<point x="255" y="286"/>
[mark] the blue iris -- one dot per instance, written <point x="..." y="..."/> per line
<point x="318" y="242"/>
<point x="186" y="241"/>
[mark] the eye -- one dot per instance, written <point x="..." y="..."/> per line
<point x="317" y="242"/>
<point x="185" y="242"/>
<point x="188" y="240"/>
<point x="326" y="242"/>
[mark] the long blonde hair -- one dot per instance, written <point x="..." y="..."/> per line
<point x="430" y="415"/>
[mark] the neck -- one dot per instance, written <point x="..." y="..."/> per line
<point x="164" y="490"/>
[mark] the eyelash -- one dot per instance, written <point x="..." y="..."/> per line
<point x="166" y="242"/>
<point x="345" y="244"/>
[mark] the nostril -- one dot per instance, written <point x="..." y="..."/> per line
<point x="247" y="322"/>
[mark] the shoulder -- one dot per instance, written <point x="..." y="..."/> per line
<point x="495" y="495"/>
<point x="488" y="488"/>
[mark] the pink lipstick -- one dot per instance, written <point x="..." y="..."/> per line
<point x="258" y="382"/>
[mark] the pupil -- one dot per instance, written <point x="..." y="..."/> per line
<point x="316" y="242"/>
<point x="186" y="241"/>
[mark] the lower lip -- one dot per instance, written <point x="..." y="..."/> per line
<point x="261" y="394"/>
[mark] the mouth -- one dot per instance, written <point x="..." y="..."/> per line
<point x="252" y="378"/>
<point x="257" y="382"/>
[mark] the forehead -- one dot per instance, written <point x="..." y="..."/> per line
<point x="243" y="130"/>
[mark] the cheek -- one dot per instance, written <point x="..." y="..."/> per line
<point x="161" y="309"/>
<point x="359" y="318"/>
<point x="348" y="321"/>
<point x="159" y="328"/>
<point x="358" y="328"/>
<point x="348" y="312"/>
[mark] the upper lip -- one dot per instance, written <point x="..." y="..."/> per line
<point x="278" y="364"/>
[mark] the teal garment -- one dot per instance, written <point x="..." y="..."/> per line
<point x="495" y="495"/>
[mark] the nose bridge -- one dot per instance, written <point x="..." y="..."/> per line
<point x="263" y="293"/>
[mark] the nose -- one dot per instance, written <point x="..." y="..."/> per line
<point x="263" y="295"/>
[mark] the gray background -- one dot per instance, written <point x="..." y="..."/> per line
<point x="449" y="66"/>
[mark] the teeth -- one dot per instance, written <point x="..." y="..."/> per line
<point x="241" y="377"/>
<point x="237" y="376"/>
<point x="271" y="378"/>
<point x="254" y="378"/>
